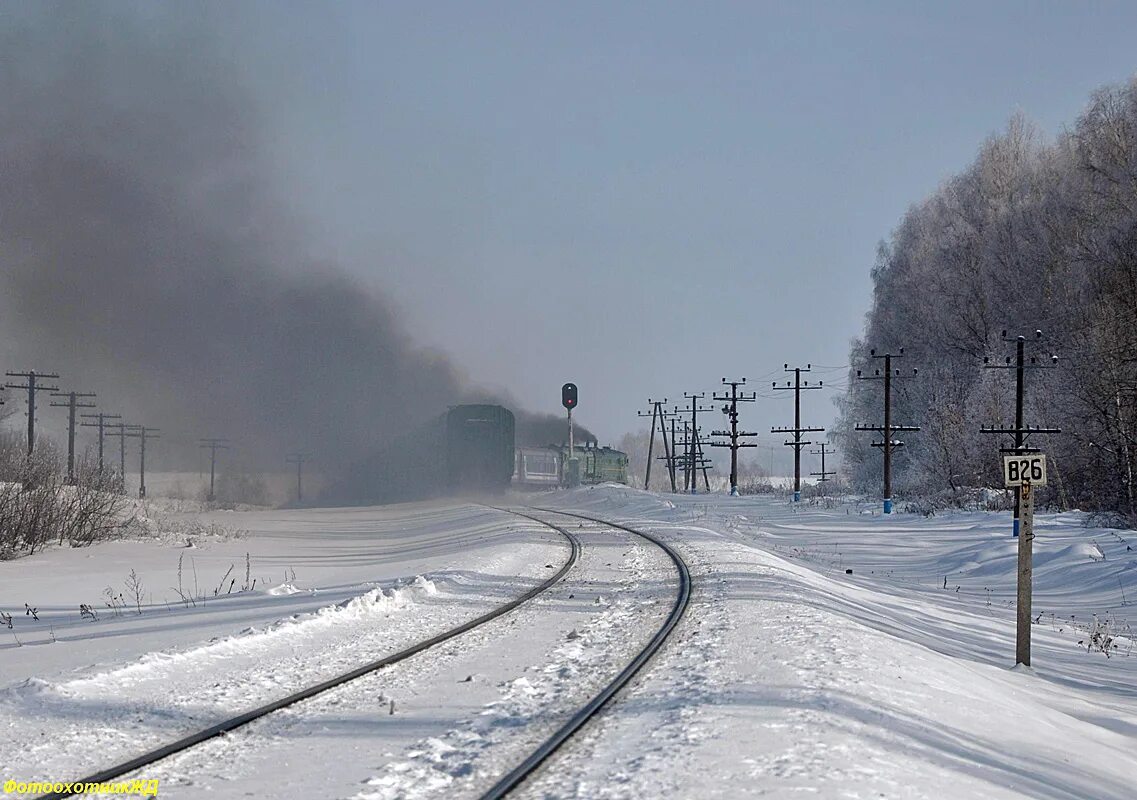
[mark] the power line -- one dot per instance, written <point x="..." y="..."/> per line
<point x="31" y="387"/>
<point x="72" y="404"/>
<point x="101" y="425"/>
<point x="142" y="433"/>
<point x="657" y="414"/>
<point x="797" y="430"/>
<point x="695" y="457"/>
<point x="213" y="445"/>
<point x="823" y="475"/>
<point x="888" y="428"/>
<point x="732" y="414"/>
<point x="1020" y="431"/>
<point x="298" y="459"/>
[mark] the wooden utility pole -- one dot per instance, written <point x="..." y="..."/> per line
<point x="101" y="425"/>
<point x="823" y="475"/>
<point x="797" y="443"/>
<point x="656" y="415"/>
<point x="888" y="443"/>
<point x="1026" y="576"/>
<point x="119" y="429"/>
<point x="1020" y="431"/>
<point x="694" y="449"/>
<point x="71" y="404"/>
<point x="213" y="445"/>
<point x="31" y="387"/>
<point x="734" y="433"/>
<point x="298" y="459"/>
<point x="142" y="433"/>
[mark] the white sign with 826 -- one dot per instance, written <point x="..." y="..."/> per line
<point x="1018" y="470"/>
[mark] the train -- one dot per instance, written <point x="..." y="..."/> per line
<point x="470" y="449"/>
<point x="543" y="467"/>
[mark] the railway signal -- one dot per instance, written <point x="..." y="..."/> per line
<point x="731" y="412"/>
<point x="797" y="430"/>
<point x="1020" y="431"/>
<point x="888" y="428"/>
<point x="572" y="463"/>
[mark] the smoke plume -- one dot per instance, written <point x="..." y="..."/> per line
<point x="147" y="256"/>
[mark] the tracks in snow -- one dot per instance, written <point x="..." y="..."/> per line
<point x="516" y="776"/>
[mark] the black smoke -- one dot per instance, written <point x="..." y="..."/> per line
<point x="147" y="254"/>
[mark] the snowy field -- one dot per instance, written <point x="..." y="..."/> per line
<point x="789" y="676"/>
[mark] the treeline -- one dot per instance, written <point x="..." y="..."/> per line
<point x="1032" y="235"/>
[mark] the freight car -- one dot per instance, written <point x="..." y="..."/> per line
<point x="468" y="449"/>
<point x="543" y="467"/>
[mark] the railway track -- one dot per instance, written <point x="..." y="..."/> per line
<point x="241" y="720"/>
<point x="537" y="757"/>
<point x="526" y="768"/>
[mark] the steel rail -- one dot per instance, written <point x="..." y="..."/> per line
<point x="526" y="768"/>
<point x="241" y="720"/>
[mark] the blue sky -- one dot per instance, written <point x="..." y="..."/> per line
<point x="643" y="198"/>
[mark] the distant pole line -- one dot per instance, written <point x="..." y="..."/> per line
<point x="213" y="445"/>
<point x="735" y="435"/>
<point x="72" y="404"/>
<point x="101" y="425"/>
<point x="886" y="430"/>
<point x="31" y="387"/>
<point x="797" y="430"/>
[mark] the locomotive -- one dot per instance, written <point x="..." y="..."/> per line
<point x="543" y="467"/>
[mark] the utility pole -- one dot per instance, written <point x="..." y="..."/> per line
<point x="213" y="445"/>
<point x="1020" y="431"/>
<point x="673" y="462"/>
<point x="693" y="448"/>
<point x="101" y="425"/>
<point x="142" y="433"/>
<point x="32" y="387"/>
<point x="731" y="412"/>
<point x="298" y="459"/>
<point x="71" y="404"/>
<point x="823" y="475"/>
<point x="656" y="414"/>
<point x="797" y="430"/>
<point x="670" y="455"/>
<point x="119" y="430"/>
<point x="888" y="428"/>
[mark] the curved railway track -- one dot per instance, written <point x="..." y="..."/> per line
<point x="529" y="765"/>
<point x="593" y="707"/>
<point x="240" y="720"/>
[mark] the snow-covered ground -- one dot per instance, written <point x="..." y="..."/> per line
<point x="789" y="675"/>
